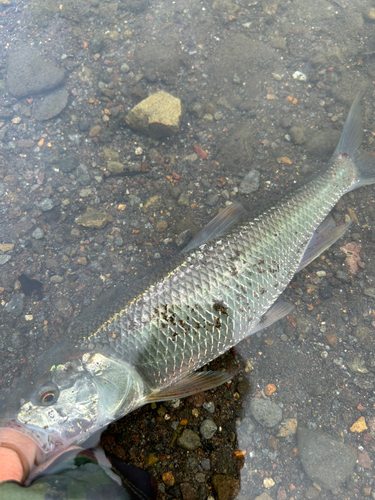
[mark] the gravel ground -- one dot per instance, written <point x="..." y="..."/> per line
<point x="265" y="88"/>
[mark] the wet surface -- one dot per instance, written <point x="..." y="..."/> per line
<point x="245" y="109"/>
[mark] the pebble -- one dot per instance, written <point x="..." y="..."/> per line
<point x="161" y="226"/>
<point x="208" y="428"/>
<point x="15" y="305"/>
<point x="56" y="279"/>
<point x="266" y="412"/>
<point x="297" y="135"/>
<point x="225" y="486"/>
<point x="95" y="131"/>
<point x="4" y="259"/>
<point x="212" y="200"/>
<point x="45" y="205"/>
<point x="209" y="406"/>
<point x="268" y="482"/>
<point x="359" y="426"/>
<point x="115" y="167"/>
<point x="6" y="247"/>
<point x="38" y="233"/>
<point x="288" y="428"/>
<point x="124" y="68"/>
<point x="189" y="440"/>
<point x="168" y="478"/>
<point x="183" y="200"/>
<point x="94" y="218"/>
<point x="250" y="183"/>
<point x="82" y="261"/>
<point x="326" y="461"/>
<point x="206" y="464"/>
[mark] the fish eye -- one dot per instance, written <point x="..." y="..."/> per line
<point x="46" y="395"/>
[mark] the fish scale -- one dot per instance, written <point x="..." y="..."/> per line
<point x="220" y="291"/>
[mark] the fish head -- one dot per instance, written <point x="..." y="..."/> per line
<point x="69" y="402"/>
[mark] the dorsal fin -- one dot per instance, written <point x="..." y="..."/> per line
<point x="220" y="225"/>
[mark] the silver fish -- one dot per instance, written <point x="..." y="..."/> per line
<point x="223" y="287"/>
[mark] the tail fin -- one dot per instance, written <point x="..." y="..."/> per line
<point x="350" y="140"/>
<point x="352" y="134"/>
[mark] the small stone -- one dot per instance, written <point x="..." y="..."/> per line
<point x="56" y="279"/>
<point x="85" y="192"/>
<point x="188" y="492"/>
<point x="15" y="305"/>
<point x="369" y="14"/>
<point x="366" y="490"/>
<point x="359" y="426"/>
<point x="209" y="406"/>
<point x="158" y="115"/>
<point x="279" y="43"/>
<point x="208" y="428"/>
<point x="45" y="205"/>
<point x="206" y="464"/>
<point x="269" y="389"/>
<point x="168" y="478"/>
<point x="151" y="460"/>
<point x="288" y="428"/>
<point x="266" y="412"/>
<point x="95" y="131"/>
<point x="189" y="440"/>
<point x="268" y="482"/>
<point x="161" y="226"/>
<point x="263" y="496"/>
<point x="152" y="203"/>
<point x="110" y="154"/>
<point x="94" y="218"/>
<point x="6" y="247"/>
<point x="82" y="261"/>
<point x="200" y="477"/>
<point x="250" y="183"/>
<point x="115" y="167"/>
<point x="298" y="135"/>
<point x="4" y="259"/>
<point x="225" y="486"/>
<point x="38" y="233"/>
<point x="183" y="200"/>
<point x="124" y="68"/>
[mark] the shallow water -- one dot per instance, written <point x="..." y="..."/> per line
<point x="245" y="109"/>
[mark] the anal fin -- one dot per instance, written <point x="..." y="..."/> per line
<point x="192" y="384"/>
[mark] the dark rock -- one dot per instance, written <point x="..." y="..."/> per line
<point x="51" y="105"/>
<point x="188" y="492"/>
<point x="189" y="440"/>
<point x="29" y="73"/>
<point x="15" y="305"/>
<point x="266" y="412"/>
<point x="226" y="487"/>
<point x="325" y="460"/>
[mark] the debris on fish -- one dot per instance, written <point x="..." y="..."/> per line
<point x="224" y="286"/>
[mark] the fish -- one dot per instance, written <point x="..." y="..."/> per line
<point x="224" y="286"/>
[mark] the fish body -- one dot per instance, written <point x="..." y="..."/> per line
<point x="224" y="287"/>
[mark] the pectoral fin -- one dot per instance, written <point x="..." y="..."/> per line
<point x="192" y="384"/>
<point x="325" y="236"/>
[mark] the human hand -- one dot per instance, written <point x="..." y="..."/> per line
<point x="18" y="455"/>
